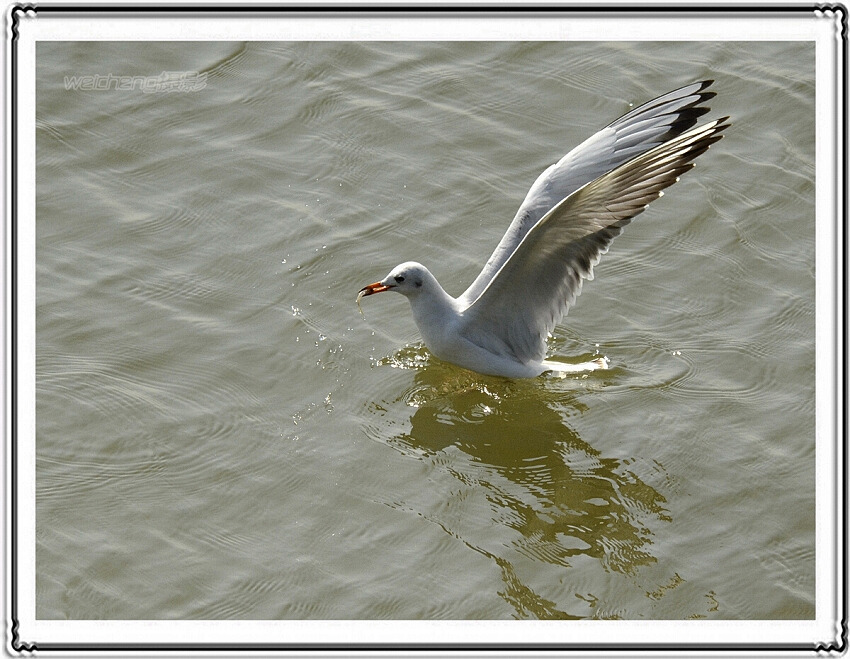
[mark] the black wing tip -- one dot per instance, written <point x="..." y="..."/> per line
<point x="686" y="118"/>
<point x="722" y="124"/>
<point x="688" y="114"/>
<point x="715" y="135"/>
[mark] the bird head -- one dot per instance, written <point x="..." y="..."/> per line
<point x="407" y="279"/>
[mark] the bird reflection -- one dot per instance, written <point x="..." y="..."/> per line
<point x="511" y="441"/>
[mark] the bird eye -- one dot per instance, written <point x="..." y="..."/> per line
<point x="399" y="279"/>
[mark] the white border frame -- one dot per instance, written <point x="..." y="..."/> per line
<point x="324" y="637"/>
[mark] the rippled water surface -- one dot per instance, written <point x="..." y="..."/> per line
<point x="220" y="433"/>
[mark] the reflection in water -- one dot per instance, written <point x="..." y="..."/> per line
<point x="554" y="498"/>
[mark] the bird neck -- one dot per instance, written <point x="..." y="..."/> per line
<point x="432" y="308"/>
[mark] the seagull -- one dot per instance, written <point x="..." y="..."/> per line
<point x="567" y="221"/>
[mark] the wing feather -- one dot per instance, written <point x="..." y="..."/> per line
<point x="636" y="132"/>
<point x="540" y="280"/>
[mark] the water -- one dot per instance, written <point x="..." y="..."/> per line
<point x="220" y="434"/>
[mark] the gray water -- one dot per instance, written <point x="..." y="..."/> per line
<point x="220" y="433"/>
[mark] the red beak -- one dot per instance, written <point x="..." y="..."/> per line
<point x="371" y="289"/>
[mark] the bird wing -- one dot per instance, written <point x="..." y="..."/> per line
<point x="542" y="277"/>
<point x="636" y="132"/>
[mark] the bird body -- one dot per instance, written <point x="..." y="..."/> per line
<point x="568" y="219"/>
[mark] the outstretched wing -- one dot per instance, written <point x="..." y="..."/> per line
<point x="541" y="279"/>
<point x="642" y="129"/>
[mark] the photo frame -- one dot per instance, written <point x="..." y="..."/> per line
<point x="30" y="25"/>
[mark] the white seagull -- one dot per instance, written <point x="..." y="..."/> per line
<point x="574" y="210"/>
